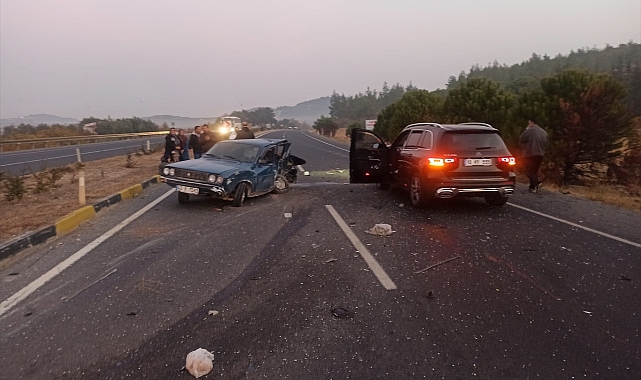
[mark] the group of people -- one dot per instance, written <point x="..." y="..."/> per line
<point x="180" y="148"/>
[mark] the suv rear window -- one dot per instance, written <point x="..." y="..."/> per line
<point x="467" y="141"/>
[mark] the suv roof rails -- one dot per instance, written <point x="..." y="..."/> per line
<point x="475" y="123"/>
<point x="419" y="124"/>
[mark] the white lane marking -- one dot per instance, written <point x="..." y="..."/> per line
<point x="325" y="142"/>
<point x="578" y="226"/>
<point x="27" y="290"/>
<point x="378" y="271"/>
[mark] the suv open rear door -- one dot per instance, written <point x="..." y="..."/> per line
<point x="368" y="158"/>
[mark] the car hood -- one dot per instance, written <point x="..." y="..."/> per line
<point x="212" y="165"/>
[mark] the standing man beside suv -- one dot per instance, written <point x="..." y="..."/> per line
<point x="534" y="142"/>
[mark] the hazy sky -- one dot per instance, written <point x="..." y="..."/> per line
<point x="201" y="58"/>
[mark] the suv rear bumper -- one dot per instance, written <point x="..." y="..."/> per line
<point x="451" y="192"/>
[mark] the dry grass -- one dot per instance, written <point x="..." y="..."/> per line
<point x="102" y="179"/>
<point x="621" y="196"/>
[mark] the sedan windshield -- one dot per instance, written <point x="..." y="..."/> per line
<point x="234" y="151"/>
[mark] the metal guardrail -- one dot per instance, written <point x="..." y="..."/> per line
<point x="48" y="142"/>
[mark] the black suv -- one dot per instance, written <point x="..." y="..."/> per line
<point x="436" y="161"/>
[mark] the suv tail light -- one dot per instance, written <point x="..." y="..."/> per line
<point x="505" y="162"/>
<point x="442" y="162"/>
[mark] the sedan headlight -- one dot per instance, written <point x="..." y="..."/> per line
<point x="168" y="171"/>
<point x="172" y="171"/>
<point x="219" y="180"/>
<point x="212" y="178"/>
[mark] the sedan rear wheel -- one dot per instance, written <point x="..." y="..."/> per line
<point x="239" y="196"/>
<point x="418" y="197"/>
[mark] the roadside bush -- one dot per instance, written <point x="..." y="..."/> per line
<point x="14" y="187"/>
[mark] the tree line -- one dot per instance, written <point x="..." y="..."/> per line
<point x="589" y="112"/>
<point x="102" y="127"/>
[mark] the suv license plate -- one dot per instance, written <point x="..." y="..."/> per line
<point x="187" y="189"/>
<point x="477" y="162"/>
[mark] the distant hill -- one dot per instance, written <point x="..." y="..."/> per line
<point x="307" y="111"/>
<point x="38" y="119"/>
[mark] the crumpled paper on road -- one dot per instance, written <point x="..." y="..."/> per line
<point x="381" y="229"/>
<point x="199" y="362"/>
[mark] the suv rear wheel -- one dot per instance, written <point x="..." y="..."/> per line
<point x="418" y="196"/>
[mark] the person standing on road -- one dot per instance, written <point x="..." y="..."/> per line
<point x="207" y="139"/>
<point x="172" y="143"/>
<point x="245" y="132"/>
<point x="534" y="142"/>
<point x="195" y="151"/>
<point x="183" y="145"/>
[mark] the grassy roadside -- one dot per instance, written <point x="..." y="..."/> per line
<point x="43" y="204"/>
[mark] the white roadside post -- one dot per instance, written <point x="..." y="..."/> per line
<point x="81" y="181"/>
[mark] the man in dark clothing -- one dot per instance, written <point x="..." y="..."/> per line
<point x="207" y="139"/>
<point x="194" y="143"/>
<point x="245" y="132"/>
<point x="172" y="144"/>
<point x="533" y="141"/>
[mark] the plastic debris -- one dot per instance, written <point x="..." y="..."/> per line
<point x="288" y="215"/>
<point x="213" y="312"/>
<point x="587" y="312"/>
<point x="199" y="362"/>
<point x="381" y="230"/>
<point x="342" y="313"/>
<point x="330" y="260"/>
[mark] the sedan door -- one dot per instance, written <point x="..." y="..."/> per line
<point x="368" y="158"/>
<point x="266" y="170"/>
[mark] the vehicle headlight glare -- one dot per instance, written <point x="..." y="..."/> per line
<point x="212" y="178"/>
<point x="222" y="130"/>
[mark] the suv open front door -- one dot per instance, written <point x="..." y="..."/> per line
<point x="368" y="158"/>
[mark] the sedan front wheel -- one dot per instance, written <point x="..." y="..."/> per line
<point x="239" y="196"/>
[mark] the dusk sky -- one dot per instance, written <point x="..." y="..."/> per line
<point x="203" y="58"/>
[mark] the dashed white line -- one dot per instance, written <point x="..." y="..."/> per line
<point x="27" y="290"/>
<point x="374" y="266"/>
<point x="578" y="226"/>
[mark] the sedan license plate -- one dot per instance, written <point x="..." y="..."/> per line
<point x="478" y="162"/>
<point x="187" y="189"/>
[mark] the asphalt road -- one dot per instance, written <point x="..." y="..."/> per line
<point x="544" y="287"/>
<point x="25" y="161"/>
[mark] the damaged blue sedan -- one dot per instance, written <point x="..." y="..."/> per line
<point x="234" y="170"/>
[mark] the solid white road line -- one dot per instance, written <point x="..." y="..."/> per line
<point x="26" y="291"/>
<point x="577" y="226"/>
<point x="325" y="142"/>
<point x="378" y="271"/>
